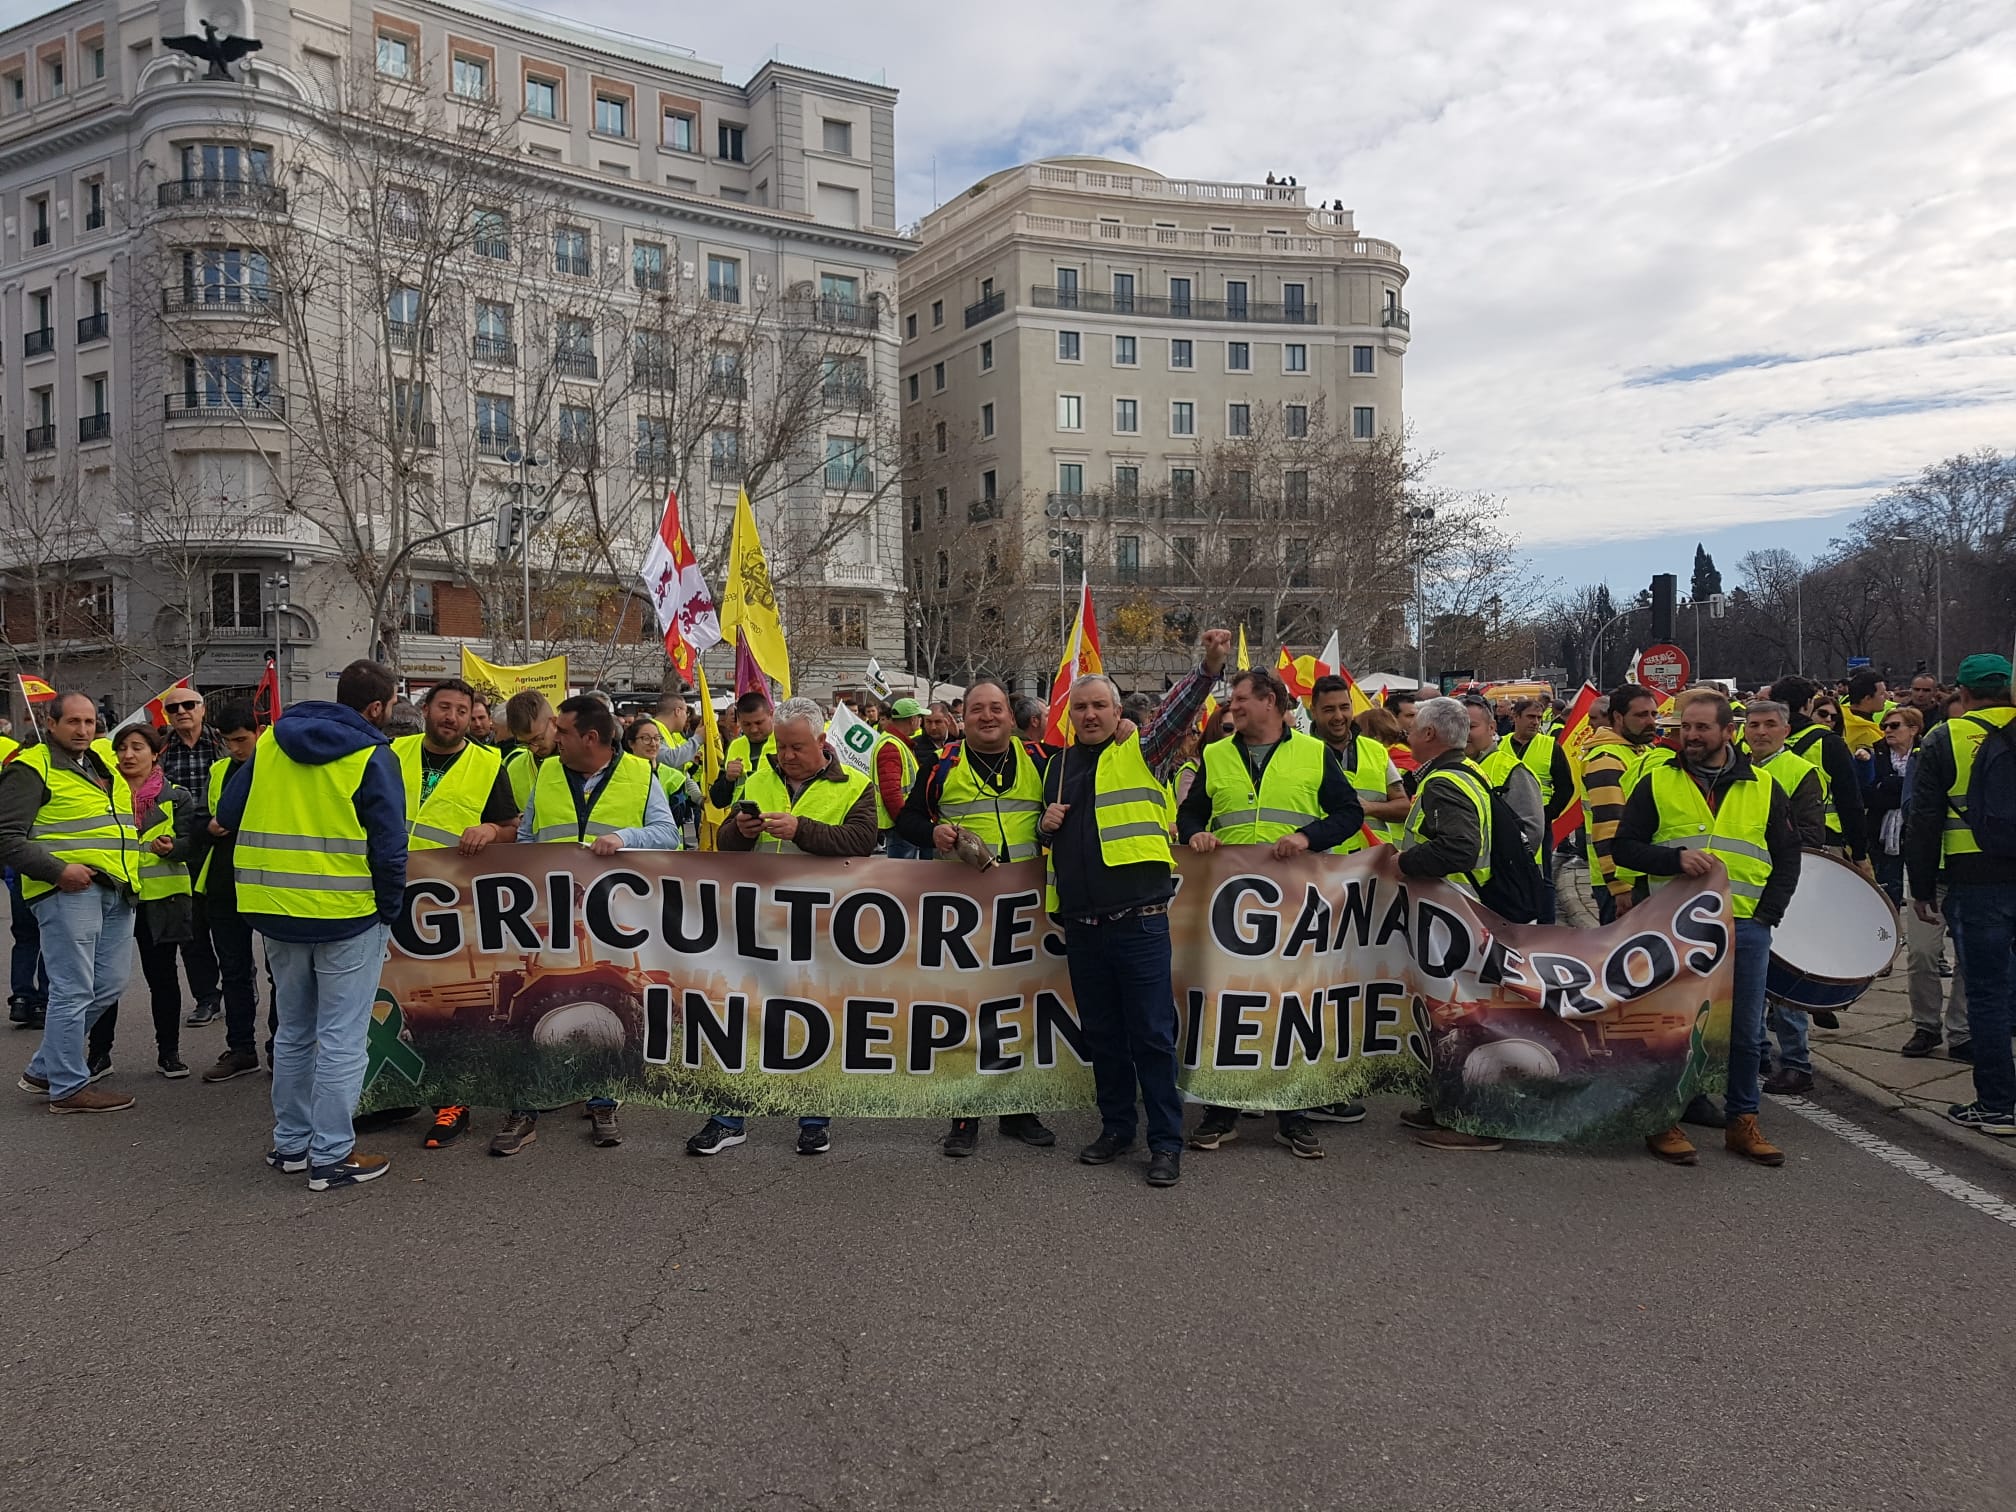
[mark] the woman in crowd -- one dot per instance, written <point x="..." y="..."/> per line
<point x="165" y="816"/>
<point x="1885" y="769"/>
<point x="1827" y="711"/>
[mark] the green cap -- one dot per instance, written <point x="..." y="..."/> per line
<point x="1983" y="673"/>
<point x="906" y="708"/>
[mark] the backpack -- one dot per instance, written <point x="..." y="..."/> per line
<point x="1515" y="892"/>
<point x="1991" y="791"/>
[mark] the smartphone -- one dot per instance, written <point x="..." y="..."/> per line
<point x="745" y="807"/>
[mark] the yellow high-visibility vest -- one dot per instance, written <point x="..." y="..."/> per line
<point x="1737" y="833"/>
<point x="1286" y="799"/>
<point x="1367" y="777"/>
<point x="82" y="823"/>
<point x="883" y="818"/>
<point x="301" y="849"/>
<point x="159" y="876"/>
<point x="458" y="799"/>
<point x="1471" y="782"/>
<point x="1806" y="746"/>
<point x="1966" y="732"/>
<point x="822" y="801"/>
<point x="1005" y="820"/>
<point x="1130" y="810"/>
<point x="618" y="803"/>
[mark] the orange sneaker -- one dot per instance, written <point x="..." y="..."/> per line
<point x="447" y="1127"/>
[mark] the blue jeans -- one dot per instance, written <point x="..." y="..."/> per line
<point x="1746" y="1014"/>
<point x="1792" y="1028"/>
<point x="323" y="993"/>
<point x="896" y="848"/>
<point x="1984" y="929"/>
<point x="27" y="981"/>
<point x="735" y="1121"/>
<point x="1120" y="984"/>
<point x="87" y="949"/>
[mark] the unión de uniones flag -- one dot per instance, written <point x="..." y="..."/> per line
<point x="548" y="676"/>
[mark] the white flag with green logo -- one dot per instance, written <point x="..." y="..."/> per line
<point x="853" y="739"/>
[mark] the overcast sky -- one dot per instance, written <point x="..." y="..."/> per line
<point x="1677" y="269"/>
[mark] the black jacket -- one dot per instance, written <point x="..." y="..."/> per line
<point x="1833" y="757"/>
<point x="1634" y="848"/>
<point x="1925" y="823"/>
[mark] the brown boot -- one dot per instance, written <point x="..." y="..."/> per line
<point x="1671" y="1145"/>
<point x="1746" y="1139"/>
<point x="91" y="1100"/>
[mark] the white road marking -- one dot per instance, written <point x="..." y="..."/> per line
<point x="1958" y="1188"/>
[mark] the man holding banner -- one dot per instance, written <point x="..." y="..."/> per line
<point x="1110" y="873"/>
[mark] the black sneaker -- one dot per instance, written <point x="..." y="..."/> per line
<point x="19" y="1011"/>
<point x="448" y="1126"/>
<point x="1922" y="1043"/>
<point x="293" y="1164"/>
<point x="171" y="1067"/>
<point x="352" y="1170"/>
<point x="232" y="1064"/>
<point x="1220" y="1126"/>
<point x="1960" y="1050"/>
<point x="1165" y="1168"/>
<point x="963" y="1139"/>
<point x="1028" y="1128"/>
<point x="715" y="1138"/>
<point x="1342" y="1112"/>
<point x="1823" y="1019"/>
<point x="814" y="1141"/>
<point x="1300" y="1136"/>
<point x="1106" y="1148"/>
<point x="208" y="1013"/>
<point x="99" y="1067"/>
<point x="1974" y="1116"/>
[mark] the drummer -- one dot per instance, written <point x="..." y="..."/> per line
<point x="1712" y="802"/>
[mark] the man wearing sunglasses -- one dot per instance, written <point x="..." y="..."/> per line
<point x="193" y="748"/>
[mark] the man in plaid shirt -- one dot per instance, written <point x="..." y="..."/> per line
<point x="185" y="761"/>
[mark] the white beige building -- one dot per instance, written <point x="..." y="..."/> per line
<point x="278" y="345"/>
<point x="1099" y="365"/>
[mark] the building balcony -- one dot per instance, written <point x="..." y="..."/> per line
<point x="570" y="265"/>
<point x="652" y="461"/>
<point x="652" y="373"/>
<point x="985" y="309"/>
<point x="405" y="228"/>
<point x="980" y="511"/>
<point x="94" y="428"/>
<point x="220" y="630"/>
<point x="420" y="434"/>
<point x="491" y="443"/>
<point x="572" y="452"/>
<point x="1397" y="318"/>
<point x="40" y="438"/>
<point x="724" y="470"/>
<point x="223" y="193"/>
<point x="409" y="335"/>
<point x="41" y="236"/>
<point x="497" y="351"/>
<point x="570" y="364"/>
<point x="845" y="396"/>
<point x="256" y="407"/>
<point x="725" y="293"/>
<point x="851" y="314"/>
<point x="94" y="220"/>
<point x="241" y="301"/>
<point x="38" y="343"/>
<point x="648" y="280"/>
<point x="727" y="385"/>
<point x="94" y="327"/>
<point x="228" y="529"/>
<point x="1161" y="307"/>
<point x="492" y="247"/>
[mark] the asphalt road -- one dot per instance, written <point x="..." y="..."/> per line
<point x="1389" y="1328"/>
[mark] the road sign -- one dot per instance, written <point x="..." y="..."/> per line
<point x="1664" y="668"/>
<point x="1856" y="663"/>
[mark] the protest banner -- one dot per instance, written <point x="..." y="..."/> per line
<point x="548" y="676"/>
<point x="539" y="975"/>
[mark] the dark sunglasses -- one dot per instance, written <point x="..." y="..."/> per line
<point x="178" y="708"/>
<point x="1895" y="724"/>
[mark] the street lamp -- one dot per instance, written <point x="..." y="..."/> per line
<point x="1420" y="515"/>
<point x="276" y="592"/>
<point x="1938" y="605"/>
<point x="520" y="460"/>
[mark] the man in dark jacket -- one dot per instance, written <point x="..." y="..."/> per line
<point x="319" y="820"/>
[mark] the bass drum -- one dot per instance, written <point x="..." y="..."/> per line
<point x="1838" y="935"/>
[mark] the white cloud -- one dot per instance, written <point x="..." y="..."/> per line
<point x="1588" y="194"/>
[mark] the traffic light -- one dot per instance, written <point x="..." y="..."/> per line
<point x="507" y="527"/>
<point x="1663" y="587"/>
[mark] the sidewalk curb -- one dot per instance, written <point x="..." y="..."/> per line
<point x="1891" y="1102"/>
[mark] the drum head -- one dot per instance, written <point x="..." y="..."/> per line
<point x="1840" y="927"/>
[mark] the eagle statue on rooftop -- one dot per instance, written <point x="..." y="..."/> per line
<point x="219" y="52"/>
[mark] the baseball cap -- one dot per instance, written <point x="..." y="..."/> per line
<point x="906" y="708"/>
<point x="1983" y="672"/>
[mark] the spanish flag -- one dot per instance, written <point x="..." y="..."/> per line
<point x="35" y="690"/>
<point x="1081" y="659"/>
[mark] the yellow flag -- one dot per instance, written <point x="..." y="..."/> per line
<point x="749" y="604"/>
<point x="548" y="676"/>
<point x="710" y="761"/>
<point x="1245" y="662"/>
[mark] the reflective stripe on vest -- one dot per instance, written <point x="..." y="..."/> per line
<point x="1367" y="776"/>
<point x="1737" y="833"/>
<point x="301" y="850"/>
<point x="1130" y="809"/>
<point x="821" y="801"/>
<point x="908" y="759"/>
<point x="1285" y="800"/>
<point x="1538" y="758"/>
<point x="1474" y="786"/>
<point x="458" y="799"/>
<point x="617" y="803"/>
<point x="159" y="876"/>
<point x="1966" y="732"/>
<point x="1005" y="820"/>
<point x="219" y="770"/>
<point x="81" y="823"/>
<point x="1806" y="746"/>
